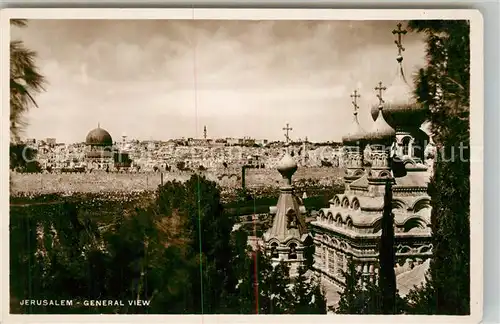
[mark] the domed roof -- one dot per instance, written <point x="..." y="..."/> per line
<point x="381" y="132"/>
<point x="99" y="136"/>
<point x="287" y="166"/>
<point x="401" y="110"/>
<point x="356" y="133"/>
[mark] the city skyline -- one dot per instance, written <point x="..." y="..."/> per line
<point x="244" y="79"/>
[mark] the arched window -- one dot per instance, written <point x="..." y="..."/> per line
<point x="291" y="218"/>
<point x="331" y="261"/>
<point x="292" y="254"/>
<point x="406" y="146"/>
<point x="274" y="251"/>
<point x="355" y="204"/>
<point x="349" y="224"/>
<point x="321" y="216"/>
<point x="330" y="218"/>
<point x="339" y="266"/>
<point x="338" y="220"/>
<point x="414" y="225"/>
<point x="345" y="203"/>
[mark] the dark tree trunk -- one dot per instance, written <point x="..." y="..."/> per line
<point x="387" y="281"/>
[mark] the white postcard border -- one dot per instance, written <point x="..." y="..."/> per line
<point x="476" y="140"/>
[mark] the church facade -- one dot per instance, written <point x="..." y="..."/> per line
<point x="391" y="150"/>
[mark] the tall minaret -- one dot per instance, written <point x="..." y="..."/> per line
<point x="205" y="132"/>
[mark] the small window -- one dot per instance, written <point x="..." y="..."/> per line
<point x="406" y="146"/>
<point x="292" y="255"/>
<point x="274" y="251"/>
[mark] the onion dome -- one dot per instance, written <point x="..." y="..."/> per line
<point x="99" y="137"/>
<point x="401" y="110"/>
<point x="381" y="132"/>
<point x="356" y="134"/>
<point x="287" y="166"/>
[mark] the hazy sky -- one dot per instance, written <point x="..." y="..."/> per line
<point x="160" y="79"/>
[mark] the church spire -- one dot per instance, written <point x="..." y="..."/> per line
<point x="288" y="235"/>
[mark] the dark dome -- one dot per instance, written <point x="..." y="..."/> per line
<point x="401" y="110"/>
<point x="99" y="137"/>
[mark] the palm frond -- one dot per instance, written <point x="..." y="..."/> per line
<point x="25" y="82"/>
<point x="19" y="22"/>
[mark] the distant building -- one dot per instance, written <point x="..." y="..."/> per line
<point x="99" y="148"/>
<point x="262" y="142"/>
<point x="233" y="141"/>
<point x="197" y="142"/>
<point x="50" y="141"/>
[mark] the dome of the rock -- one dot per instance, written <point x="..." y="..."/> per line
<point x="99" y="137"/>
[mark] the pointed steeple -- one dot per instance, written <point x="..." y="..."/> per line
<point x="288" y="235"/>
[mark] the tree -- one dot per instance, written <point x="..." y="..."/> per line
<point x="25" y="82"/>
<point x="198" y="201"/>
<point x="352" y="298"/>
<point x="308" y="295"/>
<point x="181" y="165"/>
<point x="443" y="86"/>
<point x="178" y="253"/>
<point x="23" y="158"/>
<point x="386" y="255"/>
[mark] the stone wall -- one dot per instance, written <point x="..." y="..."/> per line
<point x="44" y="183"/>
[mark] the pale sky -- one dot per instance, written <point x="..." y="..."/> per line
<point x="161" y="79"/>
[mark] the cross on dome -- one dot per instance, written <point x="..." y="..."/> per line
<point x="287" y="129"/>
<point x="356" y="133"/>
<point x="355" y="97"/>
<point x="398" y="43"/>
<point x="380" y="88"/>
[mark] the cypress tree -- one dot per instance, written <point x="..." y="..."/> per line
<point x="386" y="255"/>
<point x="443" y="86"/>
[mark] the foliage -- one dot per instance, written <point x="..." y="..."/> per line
<point x="178" y="253"/>
<point x="363" y="295"/>
<point x="23" y="159"/>
<point x="308" y="296"/>
<point x="25" y="82"/>
<point x="198" y="200"/>
<point x="266" y="288"/>
<point x="443" y="86"/>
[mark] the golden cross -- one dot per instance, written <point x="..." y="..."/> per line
<point x="287" y="128"/>
<point x="400" y="32"/>
<point x="355" y="97"/>
<point x="380" y="88"/>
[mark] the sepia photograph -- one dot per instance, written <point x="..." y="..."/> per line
<point x="243" y="166"/>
